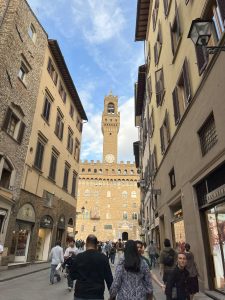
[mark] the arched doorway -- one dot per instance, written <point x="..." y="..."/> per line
<point x="124" y="236"/>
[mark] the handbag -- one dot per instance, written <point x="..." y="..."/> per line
<point x="174" y="293"/>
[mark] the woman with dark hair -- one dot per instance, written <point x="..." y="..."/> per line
<point x="132" y="278"/>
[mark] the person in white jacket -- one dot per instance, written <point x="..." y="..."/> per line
<point x="56" y="257"/>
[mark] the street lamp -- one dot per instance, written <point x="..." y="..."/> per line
<point x="200" y="33"/>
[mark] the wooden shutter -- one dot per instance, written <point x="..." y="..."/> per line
<point x="187" y="86"/>
<point x="61" y="130"/>
<point x="176" y="106"/>
<point x="166" y="122"/>
<point x="202" y="58"/>
<point x="153" y="19"/>
<point x="162" y="139"/>
<point x="171" y="35"/>
<point x="21" y="132"/>
<point x="7" y="119"/>
<point x="177" y="21"/>
<point x="221" y="5"/>
<point x="166" y="6"/>
<point x="149" y="87"/>
<point x="156" y="53"/>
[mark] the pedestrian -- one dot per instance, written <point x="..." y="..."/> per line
<point x="120" y="249"/>
<point x="56" y="257"/>
<point x="177" y="281"/>
<point x="90" y="269"/>
<point x="141" y="249"/>
<point x="152" y="253"/>
<point x="132" y="278"/>
<point x="193" y="272"/>
<point x="70" y="252"/>
<point x="167" y="260"/>
<point x="112" y="253"/>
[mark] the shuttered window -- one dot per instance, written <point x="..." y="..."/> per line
<point x="158" y="45"/>
<point x="151" y="124"/>
<point x="160" y="91"/>
<point x="166" y="6"/>
<point x="155" y="14"/>
<point x="74" y="183"/>
<point x="39" y="154"/>
<point x="165" y="133"/>
<point x="175" y="32"/>
<point x="59" y="126"/>
<point x="66" y="176"/>
<point x="53" y="165"/>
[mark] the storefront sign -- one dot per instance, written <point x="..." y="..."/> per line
<point x="216" y="194"/>
<point x="46" y="222"/>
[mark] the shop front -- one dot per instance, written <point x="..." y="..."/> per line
<point x="44" y="238"/>
<point x="70" y="230"/>
<point x="60" y="229"/>
<point x="21" y="235"/>
<point x="211" y="199"/>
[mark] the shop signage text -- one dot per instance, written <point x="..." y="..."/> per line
<point x="216" y="194"/>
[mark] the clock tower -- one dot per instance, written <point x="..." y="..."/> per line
<point x="110" y="128"/>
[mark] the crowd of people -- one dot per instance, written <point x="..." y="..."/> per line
<point x="89" y="265"/>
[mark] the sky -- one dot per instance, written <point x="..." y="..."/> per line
<point x="96" y="38"/>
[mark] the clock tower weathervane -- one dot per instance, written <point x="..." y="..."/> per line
<point x="110" y="128"/>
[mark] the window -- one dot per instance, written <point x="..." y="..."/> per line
<point x="100" y="171"/>
<point x="71" y="111"/>
<point x="62" y="92"/>
<point x="46" y="109"/>
<point x="158" y="45"/>
<point x="3" y="215"/>
<point x="107" y="227"/>
<point x="6" y="171"/>
<point x="13" y="125"/>
<point x="207" y="134"/>
<point x="165" y="133"/>
<point x="70" y="141"/>
<point x="166" y="6"/>
<point x="175" y="32"/>
<point x="74" y="183"/>
<point x="32" y="33"/>
<point x="79" y="124"/>
<point x="160" y="91"/>
<point x="149" y="87"/>
<point x="155" y="14"/>
<point x="39" y="152"/>
<point x="181" y="94"/>
<point x="172" y="179"/>
<point x="23" y="71"/>
<point x="108" y="194"/>
<point x="119" y="171"/>
<point x="89" y="170"/>
<point x="132" y="172"/>
<point x="133" y="194"/>
<point x="52" y="72"/>
<point x="66" y="176"/>
<point x="134" y="216"/>
<point x="151" y="124"/>
<point x="124" y="194"/>
<point x="83" y="170"/>
<point x="77" y="151"/>
<point x="95" y="170"/>
<point x="125" y="216"/>
<point x="59" y="126"/>
<point x="216" y="13"/>
<point x="111" y="108"/>
<point x="53" y="164"/>
<point x="125" y="172"/>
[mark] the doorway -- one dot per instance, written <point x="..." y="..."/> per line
<point x="43" y="244"/>
<point x="215" y="218"/>
<point x="22" y="242"/>
<point x="124" y="236"/>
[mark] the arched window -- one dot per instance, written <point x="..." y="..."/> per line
<point x="83" y="170"/>
<point x="133" y="194"/>
<point x="95" y="170"/>
<point x="111" y="108"/>
<point x="119" y="171"/>
<point x="132" y="172"/>
<point x="134" y="216"/>
<point x="6" y="173"/>
<point x="124" y="194"/>
<point x="100" y="171"/>
<point x="125" y="172"/>
<point x="89" y="170"/>
<point x="125" y="216"/>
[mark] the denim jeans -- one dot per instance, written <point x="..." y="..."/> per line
<point x="69" y="280"/>
<point x="53" y="274"/>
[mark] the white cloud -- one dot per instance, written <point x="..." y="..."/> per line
<point x="128" y="133"/>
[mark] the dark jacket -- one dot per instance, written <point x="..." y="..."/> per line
<point x="178" y="278"/>
<point x="90" y="269"/>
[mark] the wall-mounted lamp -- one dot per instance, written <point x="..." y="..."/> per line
<point x="200" y="33"/>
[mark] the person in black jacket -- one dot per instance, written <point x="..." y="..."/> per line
<point x="90" y="269"/>
<point x="177" y="284"/>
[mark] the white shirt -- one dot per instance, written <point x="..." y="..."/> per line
<point x="71" y="249"/>
<point x="56" y="255"/>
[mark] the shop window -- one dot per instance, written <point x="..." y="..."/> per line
<point x="13" y="125"/>
<point x="181" y="94"/>
<point x="52" y="72"/>
<point x="165" y="134"/>
<point x="172" y="179"/>
<point x="175" y="32"/>
<point x="159" y="87"/>
<point x="207" y="134"/>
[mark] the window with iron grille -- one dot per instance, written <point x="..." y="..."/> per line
<point x="207" y="134"/>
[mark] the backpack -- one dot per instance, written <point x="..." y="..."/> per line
<point x="169" y="258"/>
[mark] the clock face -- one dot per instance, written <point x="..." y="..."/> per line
<point x="109" y="158"/>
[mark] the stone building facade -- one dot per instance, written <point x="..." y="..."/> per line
<point x="41" y="119"/>
<point x="180" y="110"/>
<point x="108" y="197"/>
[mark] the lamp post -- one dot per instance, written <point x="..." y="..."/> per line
<point x="200" y="33"/>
